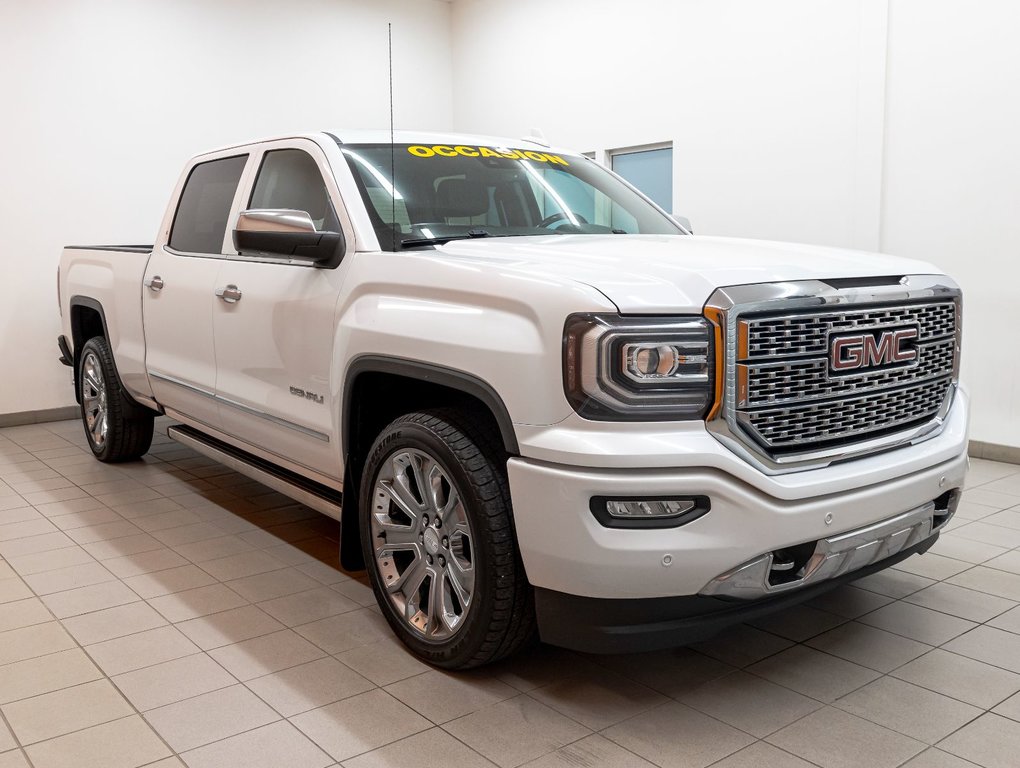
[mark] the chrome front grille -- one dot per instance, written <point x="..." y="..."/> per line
<point x="789" y="397"/>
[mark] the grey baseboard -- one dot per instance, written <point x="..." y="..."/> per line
<point x="38" y="417"/>
<point x="994" y="452"/>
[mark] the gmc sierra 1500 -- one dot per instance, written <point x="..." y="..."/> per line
<point x="543" y="404"/>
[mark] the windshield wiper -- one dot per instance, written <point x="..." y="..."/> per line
<point x="420" y="241"/>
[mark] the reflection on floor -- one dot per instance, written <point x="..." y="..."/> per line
<point x="171" y="610"/>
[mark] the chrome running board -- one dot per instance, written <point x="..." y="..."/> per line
<point x="311" y="494"/>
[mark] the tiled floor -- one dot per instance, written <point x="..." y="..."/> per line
<point x="170" y="610"/>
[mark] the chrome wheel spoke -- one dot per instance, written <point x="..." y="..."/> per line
<point x="422" y="544"/>
<point x="93" y="391"/>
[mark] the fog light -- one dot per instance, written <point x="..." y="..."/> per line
<point x="647" y="509"/>
<point x="656" y="512"/>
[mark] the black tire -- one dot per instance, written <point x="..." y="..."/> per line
<point x="500" y="617"/>
<point x="128" y="431"/>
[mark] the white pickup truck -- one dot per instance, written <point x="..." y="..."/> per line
<point x="543" y="405"/>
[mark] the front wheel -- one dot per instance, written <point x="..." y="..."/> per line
<point x="117" y="428"/>
<point x="438" y="539"/>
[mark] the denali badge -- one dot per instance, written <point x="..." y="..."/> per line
<point x="869" y="350"/>
<point x="306" y="395"/>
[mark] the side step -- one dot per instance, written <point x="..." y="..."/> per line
<point x="319" y="497"/>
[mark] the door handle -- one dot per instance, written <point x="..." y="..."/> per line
<point x="231" y="294"/>
<point x="155" y="284"/>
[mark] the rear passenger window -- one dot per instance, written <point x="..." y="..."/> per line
<point x="202" y="212"/>
<point x="290" y="179"/>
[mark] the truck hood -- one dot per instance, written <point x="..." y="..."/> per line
<point x="662" y="273"/>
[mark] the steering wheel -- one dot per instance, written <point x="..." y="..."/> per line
<point x="561" y="216"/>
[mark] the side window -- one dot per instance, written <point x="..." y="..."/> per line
<point x="290" y="179"/>
<point x="201" y="218"/>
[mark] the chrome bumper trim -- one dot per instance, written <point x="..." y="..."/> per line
<point x="834" y="556"/>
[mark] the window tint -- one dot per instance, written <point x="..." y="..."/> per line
<point x="649" y="170"/>
<point x="290" y="179"/>
<point x="201" y="218"/>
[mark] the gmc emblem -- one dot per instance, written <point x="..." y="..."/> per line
<point x="870" y="350"/>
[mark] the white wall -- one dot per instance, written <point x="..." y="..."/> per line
<point x="104" y="101"/>
<point x="952" y="179"/>
<point x="888" y="125"/>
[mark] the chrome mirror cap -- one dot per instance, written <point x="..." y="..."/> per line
<point x="274" y="220"/>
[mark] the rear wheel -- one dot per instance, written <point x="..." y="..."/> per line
<point x="439" y="544"/>
<point x="117" y="428"/>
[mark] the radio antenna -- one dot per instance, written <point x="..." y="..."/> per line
<point x="393" y="163"/>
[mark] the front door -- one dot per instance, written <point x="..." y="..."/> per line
<point x="178" y="294"/>
<point x="274" y="325"/>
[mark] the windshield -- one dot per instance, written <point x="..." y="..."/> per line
<point x="445" y="192"/>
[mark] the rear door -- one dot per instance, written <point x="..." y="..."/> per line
<point x="178" y="293"/>
<point x="274" y="344"/>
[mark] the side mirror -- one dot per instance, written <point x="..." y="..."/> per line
<point x="287" y="233"/>
<point x="684" y="222"/>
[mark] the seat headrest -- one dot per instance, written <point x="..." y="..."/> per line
<point x="461" y="198"/>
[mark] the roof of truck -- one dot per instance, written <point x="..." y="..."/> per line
<point x="430" y="138"/>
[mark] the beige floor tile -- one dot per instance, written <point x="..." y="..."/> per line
<point x="123" y="743"/>
<point x="358" y="591"/>
<point x="142" y="649"/>
<point x="597" y="699"/>
<point x="960" y="601"/>
<point x="593" y="751"/>
<point x="96" y="516"/>
<point x="90" y="534"/>
<point x="309" y="686"/>
<point x="849" y="601"/>
<point x="893" y="583"/>
<point x="991" y="498"/>
<point x="110" y="623"/>
<point x="185" y="577"/>
<point x="306" y="607"/>
<point x="210" y="717"/>
<point x="742" y="645"/>
<point x="1010" y="621"/>
<point x="936" y="758"/>
<point x="813" y="673"/>
<point x="750" y="703"/>
<point x="916" y="712"/>
<point x="433" y="748"/>
<point x="32" y="641"/>
<point x="536" y="667"/>
<point x="917" y="623"/>
<point x="71" y="577"/>
<point x="242" y="565"/>
<point x="50" y="560"/>
<point x="516" y="730"/>
<point x="989" y="534"/>
<point x="967" y="550"/>
<point x="674" y="671"/>
<point x="360" y="724"/>
<point x="869" y="646"/>
<point x="172" y="681"/>
<point x="442" y="696"/>
<point x="33" y="677"/>
<point x="213" y="549"/>
<point x="129" y="545"/>
<point x="23" y="613"/>
<point x="71" y="709"/>
<point x="676" y="735"/>
<point x="171" y="519"/>
<point x="961" y="678"/>
<point x="7" y="741"/>
<point x="832" y="738"/>
<point x="762" y="755"/>
<point x="193" y="603"/>
<point x="1010" y="708"/>
<point x="932" y="566"/>
<point x="385" y="662"/>
<point x="990" y="741"/>
<point x="228" y="627"/>
<point x="271" y="746"/>
<point x="990" y="645"/>
<point x="262" y="655"/>
<point x="144" y="562"/>
<point x="990" y="580"/>
<point x="34" y="544"/>
<point x="13" y="589"/>
<point x="337" y="634"/>
<point x="75" y="602"/>
<point x="188" y="534"/>
<point x="35" y="527"/>
<point x="273" y="584"/>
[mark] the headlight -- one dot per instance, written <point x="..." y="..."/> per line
<point x="638" y="368"/>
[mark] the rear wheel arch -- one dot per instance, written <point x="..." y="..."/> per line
<point x="88" y="320"/>
<point x="379" y="389"/>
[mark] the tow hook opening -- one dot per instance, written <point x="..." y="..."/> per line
<point x="945" y="508"/>
<point x="788" y="564"/>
